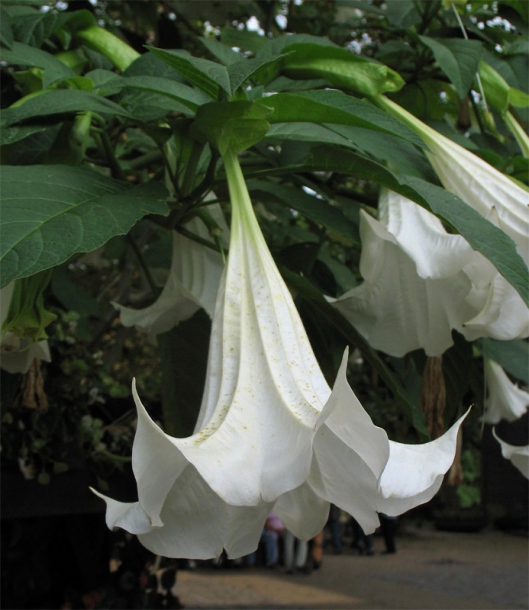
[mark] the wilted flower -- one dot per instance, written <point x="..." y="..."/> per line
<point x="505" y="399"/>
<point x="192" y="282"/>
<point x="270" y="431"/>
<point x="519" y="456"/>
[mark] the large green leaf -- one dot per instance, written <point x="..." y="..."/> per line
<point x="208" y="76"/>
<point x="20" y="54"/>
<point x="181" y="93"/>
<point x="50" y="213"/>
<point x="337" y="108"/>
<point x="458" y="59"/>
<point x="6" y="32"/>
<point x="332" y="218"/>
<point x="61" y="101"/>
<point x="513" y="356"/>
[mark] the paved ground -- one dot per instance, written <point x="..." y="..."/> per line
<point x="431" y="570"/>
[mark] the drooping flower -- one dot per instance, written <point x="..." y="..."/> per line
<point x="519" y="456"/>
<point x="420" y="282"/>
<point x="16" y="352"/>
<point x="505" y="399"/>
<point x="270" y="432"/>
<point x="490" y="192"/>
<point x="414" y="286"/>
<point x="192" y="282"/>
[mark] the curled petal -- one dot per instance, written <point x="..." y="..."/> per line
<point x="195" y="522"/>
<point x="519" y="456"/>
<point x="414" y="473"/>
<point x="505" y="400"/>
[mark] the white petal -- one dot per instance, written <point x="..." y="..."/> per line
<point x="350" y="454"/>
<point x="192" y="282"/>
<point x="502" y="313"/>
<point x="397" y="310"/>
<point x="519" y="456"/>
<point x="302" y="511"/>
<point x="505" y="400"/>
<point x="414" y="473"/>
<point x="436" y="253"/>
<point x="127" y="515"/>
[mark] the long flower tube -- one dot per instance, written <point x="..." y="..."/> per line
<point x="270" y="432"/>
<point x="493" y="194"/>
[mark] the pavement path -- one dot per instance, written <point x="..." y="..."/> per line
<point x="431" y="570"/>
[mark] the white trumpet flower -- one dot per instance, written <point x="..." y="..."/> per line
<point x="192" y="282"/>
<point x="519" y="456"/>
<point x="414" y="287"/>
<point x="420" y="282"/>
<point x="270" y="432"/>
<point x="505" y="399"/>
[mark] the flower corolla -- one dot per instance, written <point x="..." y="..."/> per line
<point x="270" y="432"/>
<point x="421" y="282"/>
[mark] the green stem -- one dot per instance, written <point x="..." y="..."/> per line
<point x="115" y="167"/>
<point x="242" y="209"/>
<point x="109" y="45"/>
<point x="191" y="169"/>
<point x="517" y="131"/>
<point x="144" y="266"/>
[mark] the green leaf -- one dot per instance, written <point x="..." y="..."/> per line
<point x="245" y="69"/>
<point x="231" y="125"/>
<point x="221" y="51"/>
<point x="458" y="58"/>
<point x="513" y="356"/>
<point x="208" y="76"/>
<point x="242" y="39"/>
<point x="190" y="98"/>
<point x="6" y="32"/>
<point x="319" y="211"/>
<point x="337" y="108"/>
<point x="403" y="13"/>
<point x="308" y="291"/>
<point x="50" y="213"/>
<point x="23" y="55"/>
<point x="61" y="101"/>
